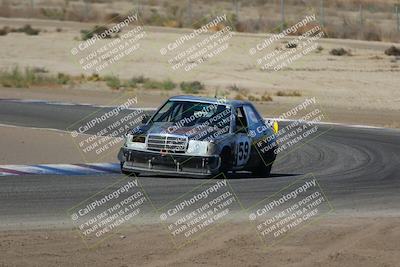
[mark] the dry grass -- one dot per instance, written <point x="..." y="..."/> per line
<point x="38" y="76"/>
<point x="27" y="29"/>
<point x="240" y="97"/>
<point x="250" y="97"/>
<point x="30" y="77"/>
<point x="289" y="93"/>
<point x="266" y="97"/>
<point x="253" y="98"/>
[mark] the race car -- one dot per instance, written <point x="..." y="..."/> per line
<point x="200" y="137"/>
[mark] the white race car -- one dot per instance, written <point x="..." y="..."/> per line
<point x="200" y="137"/>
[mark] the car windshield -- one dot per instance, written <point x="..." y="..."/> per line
<point x="192" y="113"/>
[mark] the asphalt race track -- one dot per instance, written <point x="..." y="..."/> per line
<point x="358" y="169"/>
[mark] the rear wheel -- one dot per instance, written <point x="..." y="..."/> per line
<point x="263" y="169"/>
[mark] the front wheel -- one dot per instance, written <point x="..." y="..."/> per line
<point x="226" y="161"/>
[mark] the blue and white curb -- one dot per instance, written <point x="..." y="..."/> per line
<point x="60" y="169"/>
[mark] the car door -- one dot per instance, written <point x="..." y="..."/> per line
<point x="242" y="140"/>
<point x="256" y="131"/>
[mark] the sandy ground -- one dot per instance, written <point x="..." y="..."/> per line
<point x="24" y="145"/>
<point x="368" y="80"/>
<point x="331" y="241"/>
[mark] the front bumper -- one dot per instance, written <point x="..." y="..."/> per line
<point x="170" y="164"/>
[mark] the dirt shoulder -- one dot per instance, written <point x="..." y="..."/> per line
<point x="332" y="241"/>
<point x="24" y="145"/>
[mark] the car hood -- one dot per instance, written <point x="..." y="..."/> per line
<point x="197" y="132"/>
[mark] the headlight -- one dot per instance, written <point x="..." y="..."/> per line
<point x="135" y="141"/>
<point x="197" y="147"/>
<point x="139" y="139"/>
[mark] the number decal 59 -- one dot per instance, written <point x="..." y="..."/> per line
<point x="242" y="151"/>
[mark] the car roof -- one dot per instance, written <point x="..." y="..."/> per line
<point x="208" y="100"/>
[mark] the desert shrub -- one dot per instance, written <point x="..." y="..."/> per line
<point x="86" y="35"/>
<point x="112" y="81"/>
<point x="168" y="85"/>
<point x="288" y="93"/>
<point x="392" y="51"/>
<point x="291" y="45"/>
<point x="27" y="29"/>
<point x="114" y="17"/>
<point x="52" y="13"/>
<point x="155" y="18"/>
<point x="139" y="79"/>
<point x="340" y="52"/>
<point x="63" y="78"/>
<point x="191" y="87"/>
<point x="153" y="84"/>
<point x="100" y="31"/>
<point x="29" y="77"/>
<point x="305" y="28"/>
<point x="150" y="84"/>
<point x="234" y="88"/>
<point x="266" y="97"/>
<point x="13" y="78"/>
<point x="130" y="84"/>
<point x="197" y="24"/>
<point x="253" y="98"/>
<point x="240" y="97"/>
<point x="4" y="31"/>
<point x="95" y="77"/>
<point x="39" y="70"/>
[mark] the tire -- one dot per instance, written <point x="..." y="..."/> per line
<point x="262" y="170"/>
<point x="130" y="173"/>
<point x="226" y="161"/>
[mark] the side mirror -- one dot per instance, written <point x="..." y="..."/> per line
<point x="145" y="118"/>
<point x="273" y="124"/>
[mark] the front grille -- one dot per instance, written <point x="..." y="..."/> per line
<point x="167" y="143"/>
